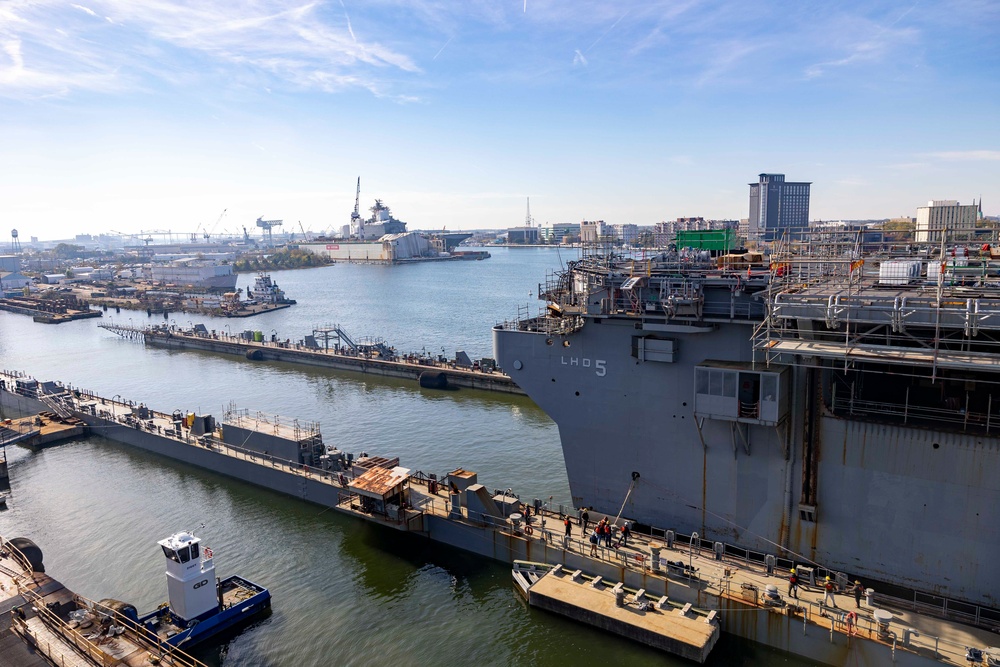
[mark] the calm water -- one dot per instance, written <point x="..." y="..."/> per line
<point x="345" y="593"/>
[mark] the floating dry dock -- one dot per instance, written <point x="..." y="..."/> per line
<point x="745" y="589"/>
<point x="408" y="368"/>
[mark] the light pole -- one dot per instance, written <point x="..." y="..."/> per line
<point x="228" y="332"/>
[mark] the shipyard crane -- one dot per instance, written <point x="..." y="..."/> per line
<point x="267" y="226"/>
<point x="304" y="234"/>
<point x="209" y="232"/>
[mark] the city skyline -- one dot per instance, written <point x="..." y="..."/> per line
<point x="159" y="115"/>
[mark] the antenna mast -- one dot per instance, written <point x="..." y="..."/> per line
<point x="527" y="217"/>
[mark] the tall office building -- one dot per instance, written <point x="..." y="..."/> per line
<point x="777" y="205"/>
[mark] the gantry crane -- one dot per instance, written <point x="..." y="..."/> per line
<point x="267" y="226"/>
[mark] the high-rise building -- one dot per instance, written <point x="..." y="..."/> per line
<point x="777" y="205"/>
<point x="946" y="214"/>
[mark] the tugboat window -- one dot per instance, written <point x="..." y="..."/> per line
<point x="185" y="554"/>
<point x="194" y="550"/>
<point x="171" y="554"/>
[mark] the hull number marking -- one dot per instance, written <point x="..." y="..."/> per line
<point x="597" y="364"/>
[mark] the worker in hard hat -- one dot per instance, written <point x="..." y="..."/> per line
<point x="828" y="589"/>
<point x="857" y="589"/>
<point x="793" y="584"/>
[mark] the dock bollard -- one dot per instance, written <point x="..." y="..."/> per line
<point x="719" y="548"/>
<point x="654" y="554"/>
<point x="670" y="539"/>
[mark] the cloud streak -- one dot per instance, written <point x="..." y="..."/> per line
<point x="295" y="45"/>
<point x="966" y="156"/>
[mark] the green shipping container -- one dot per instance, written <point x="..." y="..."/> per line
<point x="258" y="336"/>
<point x="708" y="239"/>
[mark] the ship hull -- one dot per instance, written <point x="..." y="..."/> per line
<point x="907" y="506"/>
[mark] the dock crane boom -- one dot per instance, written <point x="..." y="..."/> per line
<point x="209" y="232"/>
<point x="357" y="203"/>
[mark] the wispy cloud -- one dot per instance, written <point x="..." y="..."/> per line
<point x="298" y="45"/>
<point x="85" y="9"/>
<point x="966" y="156"/>
<point x="579" y="58"/>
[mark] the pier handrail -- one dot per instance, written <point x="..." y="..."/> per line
<point x="36" y="600"/>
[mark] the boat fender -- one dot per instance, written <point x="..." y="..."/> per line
<point x="528" y="530"/>
<point x="851" y="619"/>
<point x="433" y="380"/>
<point x="255" y="355"/>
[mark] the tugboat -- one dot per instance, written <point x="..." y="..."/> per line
<point x="200" y="606"/>
<point x="265" y="290"/>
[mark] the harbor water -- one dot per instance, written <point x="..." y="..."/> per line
<point x="345" y="592"/>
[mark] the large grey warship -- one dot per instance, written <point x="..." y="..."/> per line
<point x="828" y="406"/>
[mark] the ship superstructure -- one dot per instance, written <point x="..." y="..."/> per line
<point x="840" y="408"/>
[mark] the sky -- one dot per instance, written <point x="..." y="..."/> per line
<point x="128" y="115"/>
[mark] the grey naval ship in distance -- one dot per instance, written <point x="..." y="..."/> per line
<point x="828" y="405"/>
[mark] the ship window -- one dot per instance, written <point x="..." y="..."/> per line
<point x="185" y="554"/>
<point x="194" y="550"/>
<point x="171" y="554"/>
<point x="769" y="387"/>
<point x="701" y="381"/>
<point x="729" y="385"/>
<point x="715" y="383"/>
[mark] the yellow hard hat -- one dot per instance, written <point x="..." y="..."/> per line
<point x="857" y="581"/>
<point x="828" y="577"/>
<point x="793" y="570"/>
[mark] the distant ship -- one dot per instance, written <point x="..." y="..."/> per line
<point x="382" y="239"/>
<point x="833" y="409"/>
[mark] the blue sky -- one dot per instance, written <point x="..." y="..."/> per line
<point x="131" y="114"/>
